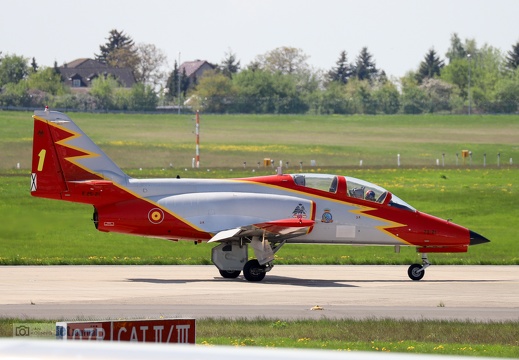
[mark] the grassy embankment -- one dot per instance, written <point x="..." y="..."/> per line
<point x="400" y="336"/>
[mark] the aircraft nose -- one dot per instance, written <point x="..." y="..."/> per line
<point x="476" y="239"/>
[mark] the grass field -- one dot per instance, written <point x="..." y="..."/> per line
<point x="484" y="199"/>
<point x="227" y="141"/>
<point x="397" y="336"/>
<point x="40" y="231"/>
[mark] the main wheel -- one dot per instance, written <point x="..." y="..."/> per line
<point x="253" y="271"/>
<point x="230" y="274"/>
<point x="415" y="272"/>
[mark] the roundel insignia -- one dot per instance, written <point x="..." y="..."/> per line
<point x="155" y="216"/>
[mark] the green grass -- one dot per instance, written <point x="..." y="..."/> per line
<point x="433" y="337"/>
<point x="40" y="231"/>
<point x="484" y="199"/>
<point x="494" y="339"/>
<point x="156" y="141"/>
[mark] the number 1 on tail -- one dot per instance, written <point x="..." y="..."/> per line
<point x="41" y="160"/>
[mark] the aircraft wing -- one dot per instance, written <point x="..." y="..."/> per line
<point x="274" y="231"/>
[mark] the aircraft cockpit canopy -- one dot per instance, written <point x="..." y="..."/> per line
<point x="355" y="188"/>
<point x="317" y="181"/>
<point x="362" y="189"/>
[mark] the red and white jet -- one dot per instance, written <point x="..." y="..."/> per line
<point x="265" y="212"/>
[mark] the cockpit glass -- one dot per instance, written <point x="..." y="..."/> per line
<point x="355" y="188"/>
<point x="397" y="202"/>
<point x="365" y="190"/>
<point x="321" y="182"/>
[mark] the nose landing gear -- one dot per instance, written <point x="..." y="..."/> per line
<point x="416" y="271"/>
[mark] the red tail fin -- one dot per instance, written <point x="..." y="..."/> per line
<point x="63" y="156"/>
<point x="47" y="179"/>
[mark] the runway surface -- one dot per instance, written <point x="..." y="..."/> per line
<point x="479" y="293"/>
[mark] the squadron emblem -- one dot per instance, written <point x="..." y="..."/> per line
<point x="327" y="216"/>
<point x="299" y="212"/>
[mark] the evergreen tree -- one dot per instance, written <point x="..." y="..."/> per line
<point x="365" y="68"/>
<point x="429" y="67"/>
<point x="185" y="82"/>
<point x="117" y="40"/>
<point x="342" y="72"/>
<point x="229" y="65"/>
<point x="174" y="78"/>
<point x="512" y="60"/>
<point x="34" y="65"/>
<point x="172" y="83"/>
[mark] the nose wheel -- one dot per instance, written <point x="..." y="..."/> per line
<point x="416" y="271"/>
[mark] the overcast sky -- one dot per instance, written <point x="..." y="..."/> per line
<point x="397" y="33"/>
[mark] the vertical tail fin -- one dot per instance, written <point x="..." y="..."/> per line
<point x="62" y="153"/>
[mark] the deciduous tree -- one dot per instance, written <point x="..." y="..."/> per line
<point x="215" y="91"/>
<point x="284" y="60"/>
<point x="456" y="50"/>
<point x="13" y="69"/>
<point x="103" y="90"/>
<point x="150" y="65"/>
<point x="46" y="80"/>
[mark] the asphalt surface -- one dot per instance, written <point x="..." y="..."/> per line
<point x="477" y="293"/>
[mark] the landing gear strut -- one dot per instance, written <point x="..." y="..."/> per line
<point x="416" y="271"/>
<point x="230" y="258"/>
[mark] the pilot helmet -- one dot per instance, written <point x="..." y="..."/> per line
<point x="370" y="195"/>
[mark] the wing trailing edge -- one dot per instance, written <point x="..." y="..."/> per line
<point x="279" y="229"/>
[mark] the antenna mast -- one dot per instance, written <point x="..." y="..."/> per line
<point x="197" y="133"/>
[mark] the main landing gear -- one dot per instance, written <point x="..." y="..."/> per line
<point x="231" y="258"/>
<point x="416" y="271"/>
<point x="252" y="271"/>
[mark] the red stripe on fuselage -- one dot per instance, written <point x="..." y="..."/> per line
<point x="414" y="228"/>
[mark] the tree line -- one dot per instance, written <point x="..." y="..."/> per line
<point x="469" y="79"/>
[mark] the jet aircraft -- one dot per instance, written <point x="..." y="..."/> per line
<point x="263" y="212"/>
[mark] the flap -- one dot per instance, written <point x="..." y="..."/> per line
<point x="279" y="229"/>
<point x="226" y="234"/>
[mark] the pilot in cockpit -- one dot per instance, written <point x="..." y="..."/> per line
<point x="370" y="195"/>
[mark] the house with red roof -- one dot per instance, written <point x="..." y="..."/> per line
<point x="195" y="69"/>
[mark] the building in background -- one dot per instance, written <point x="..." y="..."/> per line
<point x="80" y="73"/>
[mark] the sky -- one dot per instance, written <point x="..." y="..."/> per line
<point x="398" y="33"/>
